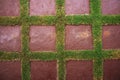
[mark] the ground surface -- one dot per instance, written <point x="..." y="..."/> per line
<point x="59" y="39"/>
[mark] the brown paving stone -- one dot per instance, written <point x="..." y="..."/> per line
<point x="110" y="7"/>
<point x="42" y="38"/>
<point x="10" y="70"/>
<point x="77" y="7"/>
<point x="42" y="7"/>
<point x="111" y="37"/>
<point x="79" y="70"/>
<point x="9" y="7"/>
<point x="10" y="38"/>
<point x="78" y="38"/>
<point x="112" y="69"/>
<point x="43" y="70"/>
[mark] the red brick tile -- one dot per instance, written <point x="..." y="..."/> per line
<point x="10" y="70"/>
<point x="42" y="38"/>
<point x="10" y="38"/>
<point x="110" y="7"/>
<point x="111" y="37"/>
<point x="79" y="70"/>
<point x="78" y="38"/>
<point x="43" y="70"/>
<point x="42" y="7"/>
<point x="9" y="7"/>
<point x="112" y="69"/>
<point x="77" y="7"/>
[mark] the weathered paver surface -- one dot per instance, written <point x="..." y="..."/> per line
<point x="41" y="70"/>
<point x="110" y="7"/>
<point x="77" y="7"/>
<point x="9" y="7"/>
<point x="111" y="37"/>
<point x="42" y="38"/>
<point x="42" y="7"/>
<point x="112" y="69"/>
<point x="10" y="70"/>
<point x="78" y="37"/>
<point x="10" y="38"/>
<point x="79" y="70"/>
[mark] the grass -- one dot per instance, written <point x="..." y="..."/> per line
<point x="60" y="20"/>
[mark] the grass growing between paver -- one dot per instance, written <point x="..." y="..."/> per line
<point x="60" y="20"/>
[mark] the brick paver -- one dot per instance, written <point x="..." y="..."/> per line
<point x="9" y="7"/>
<point x="41" y="70"/>
<point x="42" y="7"/>
<point x="79" y="70"/>
<point x="77" y="7"/>
<point x="110" y="7"/>
<point x="112" y="69"/>
<point x="42" y="38"/>
<point x="78" y="37"/>
<point x="10" y="39"/>
<point x="10" y="70"/>
<point x="111" y="37"/>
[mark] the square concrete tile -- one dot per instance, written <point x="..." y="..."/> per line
<point x="42" y="38"/>
<point x="43" y="70"/>
<point x="110" y="7"/>
<point x="112" y="69"/>
<point x="42" y="7"/>
<point x="10" y="38"/>
<point x="9" y="7"/>
<point x="10" y="70"/>
<point x="78" y="37"/>
<point x="79" y="70"/>
<point x="77" y="7"/>
<point x="111" y="37"/>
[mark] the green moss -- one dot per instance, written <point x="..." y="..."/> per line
<point x="25" y="69"/>
<point x="111" y="19"/>
<point x="98" y="69"/>
<point x="77" y="20"/>
<point x="61" y="69"/>
<point x="10" y="56"/>
<point x="4" y="21"/>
